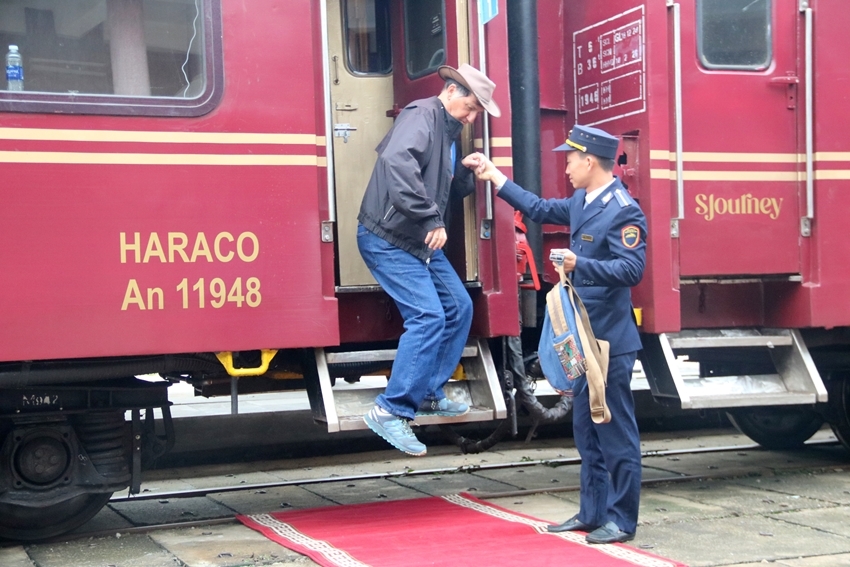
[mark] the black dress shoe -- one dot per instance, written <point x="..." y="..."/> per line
<point x="609" y="533"/>
<point x="570" y="525"/>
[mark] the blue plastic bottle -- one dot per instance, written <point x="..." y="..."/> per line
<point x="14" y="69"/>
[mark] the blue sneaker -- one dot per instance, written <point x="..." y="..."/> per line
<point x="395" y="430"/>
<point x="444" y="407"/>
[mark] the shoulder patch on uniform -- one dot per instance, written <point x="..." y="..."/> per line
<point x="622" y="198"/>
<point x="630" y="235"/>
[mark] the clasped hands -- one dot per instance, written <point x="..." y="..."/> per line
<point x="486" y="171"/>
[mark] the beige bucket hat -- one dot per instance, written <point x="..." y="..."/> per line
<point x="477" y="82"/>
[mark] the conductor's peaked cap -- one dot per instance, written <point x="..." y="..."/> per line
<point x="475" y="82"/>
<point x="590" y="141"/>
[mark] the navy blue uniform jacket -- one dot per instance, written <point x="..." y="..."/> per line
<point x="609" y="239"/>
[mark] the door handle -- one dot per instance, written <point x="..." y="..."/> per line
<point x="790" y="83"/>
<point x="786" y="80"/>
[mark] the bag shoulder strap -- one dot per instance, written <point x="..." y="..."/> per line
<point x="556" y="311"/>
<point x="596" y="354"/>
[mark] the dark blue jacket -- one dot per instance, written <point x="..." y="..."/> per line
<point x="609" y="239"/>
<point x="408" y="193"/>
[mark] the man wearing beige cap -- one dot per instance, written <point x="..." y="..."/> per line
<point x="401" y="236"/>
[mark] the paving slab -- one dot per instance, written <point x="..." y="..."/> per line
<point x="545" y="507"/>
<point x="740" y="499"/>
<point x="657" y="507"/>
<point x="840" y="560"/>
<point x="831" y="487"/>
<point x="374" y="490"/>
<point x="233" y="479"/>
<point x="106" y="519"/>
<point x="810" y="457"/>
<point x="732" y="463"/>
<point x="832" y="520"/>
<point x="442" y="484"/>
<point x="226" y="546"/>
<point x="15" y="557"/>
<point x="735" y="540"/>
<point x="534" y="476"/>
<point x="135" y="550"/>
<point x="270" y="500"/>
<point x="383" y="462"/>
<point x="148" y="512"/>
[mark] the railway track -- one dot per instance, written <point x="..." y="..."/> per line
<point x="525" y="463"/>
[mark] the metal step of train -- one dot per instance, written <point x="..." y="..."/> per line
<point x="343" y="408"/>
<point x="794" y="380"/>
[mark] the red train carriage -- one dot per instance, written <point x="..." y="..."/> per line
<point x="731" y="116"/>
<point x="181" y="180"/>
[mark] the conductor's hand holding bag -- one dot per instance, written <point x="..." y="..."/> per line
<point x="568" y="349"/>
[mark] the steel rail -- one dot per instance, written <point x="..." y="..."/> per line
<point x="420" y="472"/>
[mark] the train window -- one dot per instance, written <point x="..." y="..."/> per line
<point x="152" y="57"/>
<point x="367" y="35"/>
<point x="734" y="34"/>
<point x="425" y="36"/>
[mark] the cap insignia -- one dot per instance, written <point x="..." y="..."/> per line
<point x="576" y="146"/>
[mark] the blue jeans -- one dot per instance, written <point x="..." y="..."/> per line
<point x="437" y="313"/>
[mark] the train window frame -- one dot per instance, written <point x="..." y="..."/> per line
<point x="701" y="41"/>
<point x="431" y="67"/>
<point x="33" y="102"/>
<point x="347" y="43"/>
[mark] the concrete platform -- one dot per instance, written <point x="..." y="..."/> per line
<point x="758" y="507"/>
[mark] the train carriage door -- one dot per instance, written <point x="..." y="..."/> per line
<point x="739" y="115"/>
<point x="426" y="35"/>
<point x="384" y="54"/>
<point x="359" y="42"/>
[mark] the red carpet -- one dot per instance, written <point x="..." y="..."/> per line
<point x="454" y="531"/>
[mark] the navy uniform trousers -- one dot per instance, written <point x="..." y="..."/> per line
<point x="609" y="447"/>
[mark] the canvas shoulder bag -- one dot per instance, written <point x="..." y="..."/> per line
<point x="563" y="356"/>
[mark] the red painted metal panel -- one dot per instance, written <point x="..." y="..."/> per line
<point x="728" y="114"/>
<point x="66" y="291"/>
<point x="552" y="55"/>
<point x="497" y="308"/>
<point x="829" y="271"/>
<point x="706" y="306"/>
<point x="618" y="79"/>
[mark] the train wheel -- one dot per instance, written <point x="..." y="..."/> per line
<point x="58" y="474"/>
<point x="25" y="523"/>
<point x="777" y="427"/>
<point x="839" y="409"/>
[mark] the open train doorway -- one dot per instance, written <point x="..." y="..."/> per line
<point x="382" y="55"/>
<point x="361" y="84"/>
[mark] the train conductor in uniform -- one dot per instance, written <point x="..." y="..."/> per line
<point x="401" y="236"/>
<point x="607" y="256"/>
